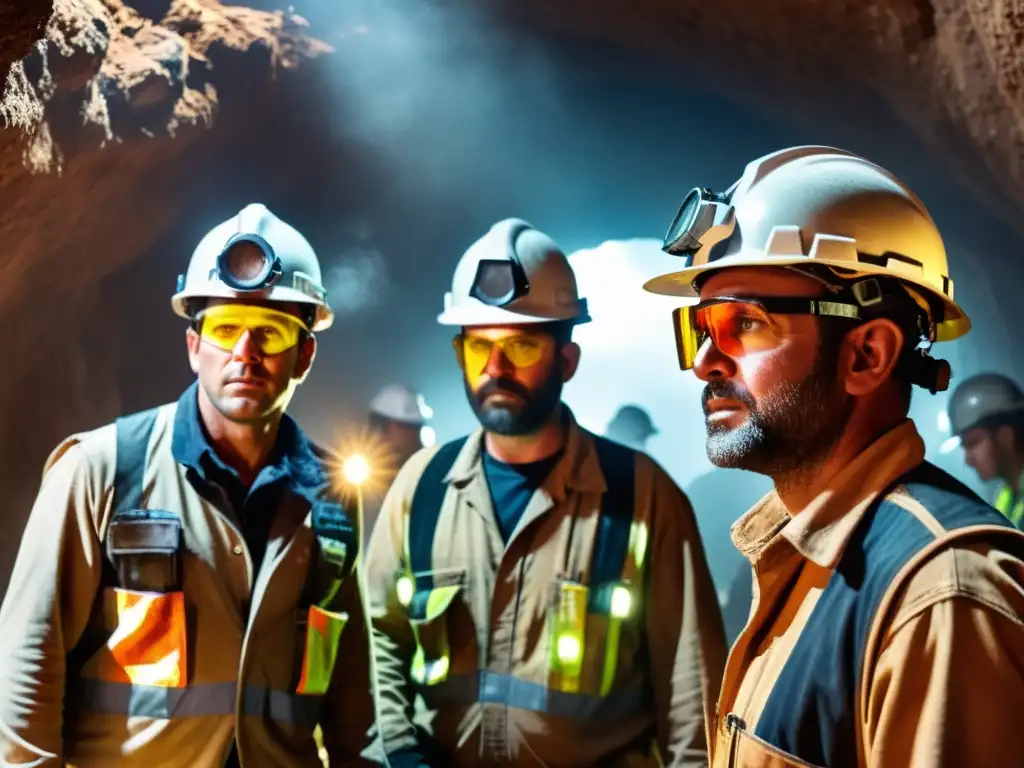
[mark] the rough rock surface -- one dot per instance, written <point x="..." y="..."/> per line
<point x="22" y="22"/>
<point x="100" y="115"/>
<point x="951" y="69"/>
<point x="113" y="115"/>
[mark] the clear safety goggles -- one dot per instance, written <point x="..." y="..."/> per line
<point x="273" y="332"/>
<point x="521" y="350"/>
<point x="740" y="326"/>
<point x="701" y="211"/>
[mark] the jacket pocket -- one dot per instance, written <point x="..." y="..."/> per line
<point x="591" y="628"/>
<point x="745" y="750"/>
<point x="320" y="649"/>
<point x="148" y="644"/>
<point x="428" y="598"/>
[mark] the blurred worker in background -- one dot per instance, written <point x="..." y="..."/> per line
<point x="631" y="426"/>
<point x="186" y="579"/>
<point x="987" y="413"/>
<point x="888" y="621"/>
<point x="543" y="591"/>
<point x="398" y="416"/>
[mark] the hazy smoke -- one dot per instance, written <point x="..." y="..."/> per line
<point x="358" y="282"/>
<point x="439" y="90"/>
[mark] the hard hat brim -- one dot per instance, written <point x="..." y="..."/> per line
<point x="324" y="315"/>
<point x="681" y="283"/>
<point x="480" y="314"/>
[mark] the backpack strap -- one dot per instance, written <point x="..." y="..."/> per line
<point x="611" y="542"/>
<point x="142" y="545"/>
<point x="425" y="509"/>
<point x="337" y="548"/>
<point x="133" y="433"/>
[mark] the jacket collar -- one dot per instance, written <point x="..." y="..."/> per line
<point x="821" y="531"/>
<point x="577" y="469"/>
<point x="293" y="456"/>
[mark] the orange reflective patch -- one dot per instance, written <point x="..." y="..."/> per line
<point x="148" y="647"/>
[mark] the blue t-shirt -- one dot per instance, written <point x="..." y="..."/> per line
<point x="512" y="485"/>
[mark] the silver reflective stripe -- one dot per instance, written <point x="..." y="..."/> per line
<point x="197" y="700"/>
<point x="493" y="688"/>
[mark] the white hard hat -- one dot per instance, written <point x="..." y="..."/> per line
<point x="815" y="205"/>
<point x="285" y="267"/>
<point x="987" y="398"/>
<point x="513" y="275"/>
<point x="399" y="403"/>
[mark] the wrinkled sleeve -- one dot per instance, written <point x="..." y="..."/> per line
<point x="47" y="607"/>
<point x="392" y="638"/>
<point x="684" y="626"/>
<point x="948" y="686"/>
<point x="350" y="704"/>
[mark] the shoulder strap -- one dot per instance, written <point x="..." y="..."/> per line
<point x="133" y="434"/>
<point x="611" y="543"/>
<point x="427" y="500"/>
<point x="335" y="536"/>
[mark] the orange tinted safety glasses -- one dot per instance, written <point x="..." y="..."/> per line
<point x="222" y="325"/>
<point x="522" y="350"/>
<point x="740" y="326"/>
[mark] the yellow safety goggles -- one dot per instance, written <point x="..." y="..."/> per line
<point x="222" y="325"/>
<point x="740" y="326"/>
<point x="522" y="350"/>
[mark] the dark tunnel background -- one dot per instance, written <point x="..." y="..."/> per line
<point x="587" y="142"/>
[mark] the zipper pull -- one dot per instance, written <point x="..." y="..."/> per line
<point x="734" y="723"/>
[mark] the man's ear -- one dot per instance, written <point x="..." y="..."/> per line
<point x="1005" y="438"/>
<point x="869" y="356"/>
<point x="307" y="353"/>
<point x="570" y="354"/>
<point x="192" y="343"/>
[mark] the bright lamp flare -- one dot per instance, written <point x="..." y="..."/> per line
<point x="356" y="469"/>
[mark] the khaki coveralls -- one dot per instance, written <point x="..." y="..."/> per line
<point x="942" y="683"/>
<point x="646" y="680"/>
<point x="181" y="674"/>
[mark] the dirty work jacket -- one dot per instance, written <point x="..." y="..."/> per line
<point x="242" y="633"/>
<point x="496" y="698"/>
<point x="886" y="629"/>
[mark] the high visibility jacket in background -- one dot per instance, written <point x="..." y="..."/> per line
<point x="539" y="651"/>
<point x="1011" y="504"/>
<point x="887" y="629"/>
<point x="94" y="674"/>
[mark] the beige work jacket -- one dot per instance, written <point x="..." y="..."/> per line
<point x="480" y="654"/>
<point x="175" y="677"/>
<point x="941" y="657"/>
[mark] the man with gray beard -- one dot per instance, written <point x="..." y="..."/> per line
<point x="539" y="595"/>
<point x="887" y="628"/>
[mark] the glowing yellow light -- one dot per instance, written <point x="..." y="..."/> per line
<point x="438" y="670"/>
<point x="356" y="469"/>
<point x="621" y="603"/>
<point x="569" y="649"/>
<point x="404" y="590"/>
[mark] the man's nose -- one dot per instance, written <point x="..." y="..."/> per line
<point x="711" y="363"/>
<point x="246" y="350"/>
<point x="498" y="366"/>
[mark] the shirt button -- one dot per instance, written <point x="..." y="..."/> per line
<point x="237" y="549"/>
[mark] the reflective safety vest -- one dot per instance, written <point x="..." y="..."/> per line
<point x="1011" y="505"/>
<point x="141" y="595"/>
<point x="611" y="591"/>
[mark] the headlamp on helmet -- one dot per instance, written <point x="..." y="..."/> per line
<point x="703" y="217"/>
<point x="247" y="263"/>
